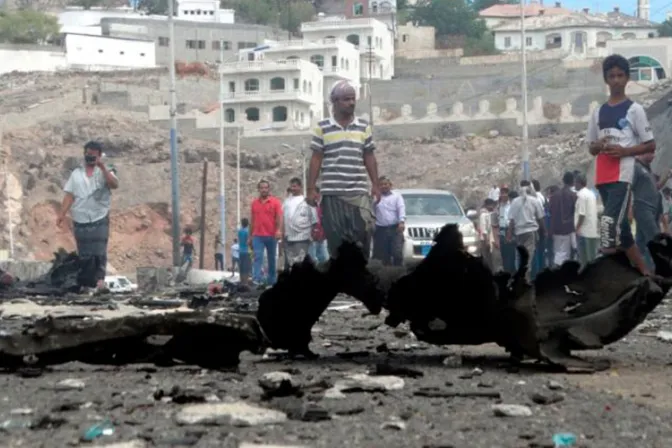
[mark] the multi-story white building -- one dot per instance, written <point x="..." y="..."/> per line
<point x="204" y="11"/>
<point x="88" y="52"/>
<point x="577" y="33"/>
<point x="373" y="39"/>
<point x="281" y="94"/>
<point x="337" y="59"/>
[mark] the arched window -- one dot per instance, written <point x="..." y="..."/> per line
<point x="342" y="63"/>
<point x="374" y="7"/>
<point x="318" y="60"/>
<point x="347" y="64"/>
<point x="278" y="83"/>
<point x="305" y="86"/>
<point x="229" y="115"/>
<point x="252" y="85"/>
<point x="645" y="68"/>
<point x="310" y="87"/>
<point x="629" y="36"/>
<point x="279" y="113"/>
<point x="252" y="114"/>
<point x="353" y="39"/>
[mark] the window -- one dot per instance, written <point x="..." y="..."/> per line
<point x="280" y="113"/>
<point x="368" y="41"/>
<point x="216" y="45"/>
<point x="250" y="56"/>
<point x="192" y="44"/>
<point x="232" y="86"/>
<point x="302" y="117"/>
<point x="121" y="53"/>
<point x="353" y="39"/>
<point x="296" y="115"/>
<point x="342" y="63"/>
<point x="528" y="41"/>
<point x="201" y="45"/>
<point x="100" y="51"/>
<point x="164" y="41"/>
<point x="310" y="87"/>
<point x="229" y="115"/>
<point x="297" y="84"/>
<point x="142" y="55"/>
<point x="227" y="44"/>
<point x="252" y="85"/>
<point x="244" y="45"/>
<point x="252" y="114"/>
<point x="305" y="86"/>
<point x="278" y="83"/>
<point x="334" y="61"/>
<point x="507" y="42"/>
<point x="318" y="60"/>
<point x="357" y="9"/>
<point x="347" y="64"/>
<point x="374" y="7"/>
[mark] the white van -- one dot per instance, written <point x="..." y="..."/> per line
<point x="119" y="284"/>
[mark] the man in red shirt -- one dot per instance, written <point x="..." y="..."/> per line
<point x="265" y="225"/>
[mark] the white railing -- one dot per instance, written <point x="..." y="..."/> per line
<point x="261" y="65"/>
<point x="304" y="43"/>
<point x="259" y="93"/>
<point x="326" y="24"/>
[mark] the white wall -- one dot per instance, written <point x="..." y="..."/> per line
<point x="82" y="51"/>
<point x="31" y="61"/>
<point x="538" y="38"/>
<point x="204" y="11"/>
<point x="299" y="115"/>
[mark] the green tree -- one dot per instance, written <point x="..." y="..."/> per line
<point x="27" y="27"/>
<point x="87" y="4"/>
<point x="287" y="14"/>
<point x="156" y="7"/>
<point x="480" y="5"/>
<point x="449" y="17"/>
<point x="665" y="29"/>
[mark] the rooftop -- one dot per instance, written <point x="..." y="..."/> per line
<point x="331" y="23"/>
<point x="614" y="19"/>
<point x="533" y="9"/>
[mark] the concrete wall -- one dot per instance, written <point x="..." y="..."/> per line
<point x="31" y="59"/>
<point x="415" y="38"/>
<point x="205" y="35"/>
<point x="107" y="51"/>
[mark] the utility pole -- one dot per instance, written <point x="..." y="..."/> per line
<point x="222" y="183"/>
<point x="368" y="87"/>
<point x="238" y="176"/>
<point x="174" y="167"/>
<point x="204" y="192"/>
<point x="525" y="152"/>
<point x="8" y="204"/>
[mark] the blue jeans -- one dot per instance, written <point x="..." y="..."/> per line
<point x="318" y="251"/>
<point x="539" y="260"/>
<point x="259" y="243"/>
<point x="647" y="229"/>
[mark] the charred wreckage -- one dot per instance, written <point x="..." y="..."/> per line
<point x="564" y="310"/>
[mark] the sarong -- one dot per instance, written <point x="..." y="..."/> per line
<point x="91" y="238"/>
<point x="348" y="218"/>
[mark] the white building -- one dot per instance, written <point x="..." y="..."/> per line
<point x="578" y="32"/>
<point x="89" y="52"/>
<point x="501" y="14"/>
<point x="281" y="94"/>
<point x="373" y="39"/>
<point x="204" y="11"/>
<point x="337" y="59"/>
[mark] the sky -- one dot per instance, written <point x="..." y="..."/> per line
<point x="658" y="8"/>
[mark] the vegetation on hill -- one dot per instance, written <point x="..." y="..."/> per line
<point x="27" y="27"/>
<point x="285" y="14"/>
<point x="665" y="28"/>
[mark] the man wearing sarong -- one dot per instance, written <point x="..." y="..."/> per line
<point x="88" y="194"/>
<point x="343" y="152"/>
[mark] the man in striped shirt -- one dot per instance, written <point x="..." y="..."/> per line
<point x="343" y="151"/>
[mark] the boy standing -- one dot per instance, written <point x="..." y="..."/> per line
<point x="617" y="132"/>
<point x="188" y="245"/>
<point x="244" y="261"/>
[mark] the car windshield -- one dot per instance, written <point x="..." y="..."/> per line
<point x="123" y="282"/>
<point x="432" y="205"/>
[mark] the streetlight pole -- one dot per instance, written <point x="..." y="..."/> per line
<point x="238" y="176"/>
<point x="174" y="168"/>
<point x="525" y="151"/>
<point x="222" y="184"/>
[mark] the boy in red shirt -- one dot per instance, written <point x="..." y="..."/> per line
<point x="617" y="132"/>
<point x="265" y="231"/>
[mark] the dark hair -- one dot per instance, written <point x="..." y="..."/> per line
<point x="513" y="194"/>
<point x="187" y="230"/>
<point x="553" y="189"/>
<point x="295" y="180"/>
<point x="615" y="61"/>
<point x="244" y="222"/>
<point x="93" y="146"/>
<point x="489" y="201"/>
<point x="524" y="183"/>
<point x="536" y="185"/>
<point x="580" y="179"/>
<point x="504" y="190"/>
<point x="568" y="178"/>
<point x="263" y="181"/>
<point x="383" y="179"/>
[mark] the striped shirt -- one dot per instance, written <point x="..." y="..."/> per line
<point x="343" y="170"/>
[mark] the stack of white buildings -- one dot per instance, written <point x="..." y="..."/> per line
<point x="285" y="85"/>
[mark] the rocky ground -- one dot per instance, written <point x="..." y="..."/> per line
<point x="372" y="387"/>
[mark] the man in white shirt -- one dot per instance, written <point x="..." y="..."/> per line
<point x="298" y="224"/>
<point x="494" y="193"/>
<point x="388" y="237"/>
<point x="485" y="231"/>
<point x="526" y="217"/>
<point x="585" y="215"/>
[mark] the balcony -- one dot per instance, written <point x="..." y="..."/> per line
<point x="373" y="52"/>
<point x="263" y="66"/>
<point x="338" y="24"/>
<point x="305" y="43"/>
<point x="260" y="96"/>
<point x="339" y="72"/>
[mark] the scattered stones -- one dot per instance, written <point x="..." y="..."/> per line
<point x="278" y="384"/>
<point x="541" y="398"/>
<point x="182" y="396"/>
<point x="493" y="133"/>
<point x="130" y="444"/>
<point x="365" y="383"/>
<point x="390" y="369"/>
<point x="21" y="411"/>
<point x="554" y="385"/>
<point x="257" y="445"/>
<point x="511" y="410"/>
<point x="70" y="384"/>
<point x="236" y="413"/>
<point x="452" y="361"/>
<point x="396" y="424"/>
<point x="665" y="336"/>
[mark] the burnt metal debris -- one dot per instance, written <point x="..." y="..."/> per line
<point x="451" y="297"/>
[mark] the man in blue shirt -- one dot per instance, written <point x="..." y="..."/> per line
<point x="244" y="263"/>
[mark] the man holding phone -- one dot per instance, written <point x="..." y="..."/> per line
<point x="87" y="197"/>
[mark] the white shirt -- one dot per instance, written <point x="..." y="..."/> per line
<point x="235" y="250"/>
<point x="525" y="212"/>
<point x="299" y="218"/>
<point x="390" y="210"/>
<point x="586" y="206"/>
<point x="494" y="194"/>
<point x="92" y="195"/>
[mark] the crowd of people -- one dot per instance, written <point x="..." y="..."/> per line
<point x="556" y="224"/>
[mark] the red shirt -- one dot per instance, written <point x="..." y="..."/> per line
<point x="265" y="214"/>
